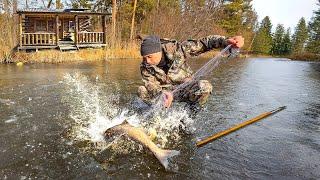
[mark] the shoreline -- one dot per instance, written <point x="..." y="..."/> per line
<point x="54" y="56"/>
<point x="314" y="58"/>
<point x="91" y="55"/>
<point x="82" y="55"/>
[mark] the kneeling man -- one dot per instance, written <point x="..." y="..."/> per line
<point x="164" y="67"/>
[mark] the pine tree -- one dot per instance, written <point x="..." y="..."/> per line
<point x="313" y="45"/>
<point x="263" y="39"/>
<point x="299" y="37"/>
<point x="277" y="41"/>
<point x="286" y="43"/>
<point x="238" y="15"/>
<point x="233" y="15"/>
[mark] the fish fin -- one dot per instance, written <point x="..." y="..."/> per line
<point x="164" y="156"/>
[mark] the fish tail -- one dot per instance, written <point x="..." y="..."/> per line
<point x="164" y="156"/>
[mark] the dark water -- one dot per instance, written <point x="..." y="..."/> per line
<point x="35" y="118"/>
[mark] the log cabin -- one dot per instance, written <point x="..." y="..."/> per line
<point x="68" y="29"/>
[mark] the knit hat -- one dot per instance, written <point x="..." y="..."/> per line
<point x="150" y="44"/>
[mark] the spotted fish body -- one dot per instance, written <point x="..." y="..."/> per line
<point x="140" y="136"/>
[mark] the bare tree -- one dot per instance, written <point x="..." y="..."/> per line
<point x="156" y="12"/>
<point x="49" y="4"/>
<point x="133" y="17"/>
<point x="6" y="6"/>
<point x="114" y="12"/>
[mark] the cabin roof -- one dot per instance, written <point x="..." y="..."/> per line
<point x="59" y="11"/>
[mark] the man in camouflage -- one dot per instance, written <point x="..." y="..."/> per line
<point x="164" y="67"/>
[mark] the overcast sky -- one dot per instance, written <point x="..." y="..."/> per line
<point x="286" y="12"/>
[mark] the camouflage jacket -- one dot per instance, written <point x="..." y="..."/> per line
<point x="174" y="68"/>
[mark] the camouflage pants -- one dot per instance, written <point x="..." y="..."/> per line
<point x="196" y="92"/>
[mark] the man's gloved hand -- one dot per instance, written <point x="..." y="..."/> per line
<point x="168" y="98"/>
<point x="236" y="41"/>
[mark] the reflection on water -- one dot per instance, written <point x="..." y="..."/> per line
<point x="42" y="105"/>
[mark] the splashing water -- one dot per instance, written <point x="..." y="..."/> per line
<point x="169" y="123"/>
<point x="93" y="113"/>
<point x="95" y="108"/>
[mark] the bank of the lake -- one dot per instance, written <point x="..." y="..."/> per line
<point x="305" y="57"/>
<point x="131" y="50"/>
<point x="294" y="57"/>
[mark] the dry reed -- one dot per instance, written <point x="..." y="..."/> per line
<point x="305" y="57"/>
<point x="130" y="50"/>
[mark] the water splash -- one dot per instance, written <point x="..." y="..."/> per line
<point x="12" y="119"/>
<point x="92" y="113"/>
<point x="169" y="123"/>
<point x="95" y="107"/>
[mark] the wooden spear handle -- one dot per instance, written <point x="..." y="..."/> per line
<point x="236" y="127"/>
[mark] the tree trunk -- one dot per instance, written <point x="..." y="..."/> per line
<point x="114" y="12"/>
<point x="49" y="4"/>
<point x="133" y="17"/>
<point x="6" y="7"/>
<point x="156" y="12"/>
<point x="15" y="20"/>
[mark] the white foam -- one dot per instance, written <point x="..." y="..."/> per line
<point x="167" y="124"/>
<point x="7" y="102"/>
<point x="12" y="119"/>
<point x="94" y="111"/>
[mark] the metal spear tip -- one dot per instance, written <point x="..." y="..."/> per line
<point x="279" y="109"/>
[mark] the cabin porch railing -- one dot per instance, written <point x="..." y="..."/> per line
<point x="90" y="37"/>
<point x="38" y="39"/>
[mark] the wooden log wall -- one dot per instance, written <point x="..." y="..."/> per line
<point x="32" y="25"/>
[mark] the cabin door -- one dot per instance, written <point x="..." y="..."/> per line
<point x="66" y="30"/>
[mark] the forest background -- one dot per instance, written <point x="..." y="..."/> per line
<point x="178" y="19"/>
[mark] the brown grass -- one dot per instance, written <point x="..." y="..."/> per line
<point x="305" y="57"/>
<point x="54" y="56"/>
<point x="126" y="50"/>
<point x="7" y="37"/>
<point x="5" y="54"/>
<point x="299" y="57"/>
<point x="209" y="54"/>
<point x="130" y="50"/>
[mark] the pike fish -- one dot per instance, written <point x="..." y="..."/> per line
<point x="140" y="136"/>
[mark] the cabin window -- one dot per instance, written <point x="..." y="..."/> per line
<point x="51" y="26"/>
<point x="41" y="25"/>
